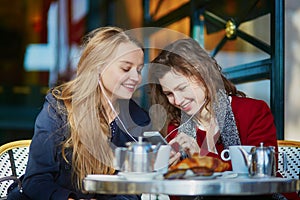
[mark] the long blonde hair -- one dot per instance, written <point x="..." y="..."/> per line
<point x="84" y="101"/>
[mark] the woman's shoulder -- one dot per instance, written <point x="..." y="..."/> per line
<point x="136" y="109"/>
<point x="55" y="104"/>
<point x="50" y="98"/>
<point x="50" y="120"/>
<point x="249" y="106"/>
<point x="139" y="114"/>
<point x="247" y="102"/>
<point x="132" y="111"/>
<point x="53" y="111"/>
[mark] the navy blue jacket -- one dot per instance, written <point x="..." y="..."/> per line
<point x="48" y="176"/>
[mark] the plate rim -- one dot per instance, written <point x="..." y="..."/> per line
<point x="139" y="175"/>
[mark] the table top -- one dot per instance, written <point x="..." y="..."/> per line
<point x="240" y="185"/>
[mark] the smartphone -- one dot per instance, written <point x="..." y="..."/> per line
<point x="154" y="137"/>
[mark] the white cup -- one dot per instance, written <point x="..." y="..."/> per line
<point x="237" y="159"/>
<point x="162" y="159"/>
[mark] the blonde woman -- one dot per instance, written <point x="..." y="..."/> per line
<point x="84" y="119"/>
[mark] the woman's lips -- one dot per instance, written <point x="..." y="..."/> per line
<point x="186" y="107"/>
<point x="129" y="87"/>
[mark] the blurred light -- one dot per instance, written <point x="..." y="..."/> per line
<point x="39" y="57"/>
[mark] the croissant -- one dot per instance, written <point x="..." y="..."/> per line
<point x="197" y="161"/>
<point x="200" y="165"/>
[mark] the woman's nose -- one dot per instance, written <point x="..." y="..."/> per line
<point x="178" y="99"/>
<point x="134" y="75"/>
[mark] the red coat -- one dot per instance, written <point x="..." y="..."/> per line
<point x="254" y="122"/>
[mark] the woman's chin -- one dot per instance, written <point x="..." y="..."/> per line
<point x="125" y="96"/>
<point x="190" y="112"/>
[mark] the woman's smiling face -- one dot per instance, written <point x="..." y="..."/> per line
<point x="123" y="74"/>
<point x="182" y="92"/>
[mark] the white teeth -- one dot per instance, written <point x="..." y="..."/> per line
<point x="185" y="105"/>
<point x="129" y="86"/>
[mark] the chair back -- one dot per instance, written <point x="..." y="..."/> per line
<point x="13" y="161"/>
<point x="289" y="158"/>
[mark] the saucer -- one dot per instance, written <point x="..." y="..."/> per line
<point x="139" y="176"/>
<point x="103" y="177"/>
<point x="227" y="175"/>
<point x="243" y="174"/>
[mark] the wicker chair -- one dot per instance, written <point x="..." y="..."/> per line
<point x="13" y="161"/>
<point x="289" y="158"/>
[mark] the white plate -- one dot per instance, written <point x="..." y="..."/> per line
<point x="226" y="175"/>
<point x="139" y="176"/>
<point x="103" y="177"/>
<point x="189" y="174"/>
<point x="198" y="177"/>
<point x="219" y="175"/>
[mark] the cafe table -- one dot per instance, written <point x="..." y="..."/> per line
<point x="215" y="185"/>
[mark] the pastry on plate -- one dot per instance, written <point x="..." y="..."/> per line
<point x="199" y="165"/>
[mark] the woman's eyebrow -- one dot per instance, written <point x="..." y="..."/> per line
<point x="176" y="88"/>
<point x="179" y="85"/>
<point x="131" y="63"/>
<point x="126" y="62"/>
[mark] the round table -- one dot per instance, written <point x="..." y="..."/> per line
<point x="114" y="184"/>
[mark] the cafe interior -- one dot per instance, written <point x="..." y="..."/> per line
<point x="255" y="42"/>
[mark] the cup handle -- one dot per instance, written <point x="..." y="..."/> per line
<point x="224" y="153"/>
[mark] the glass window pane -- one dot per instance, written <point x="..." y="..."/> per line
<point x="257" y="90"/>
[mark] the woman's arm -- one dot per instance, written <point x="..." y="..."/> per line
<point x="43" y="166"/>
<point x="255" y="123"/>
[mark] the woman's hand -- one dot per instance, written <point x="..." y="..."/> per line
<point x="174" y="157"/>
<point x="183" y="142"/>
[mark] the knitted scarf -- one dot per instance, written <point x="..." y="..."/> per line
<point x="225" y="120"/>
